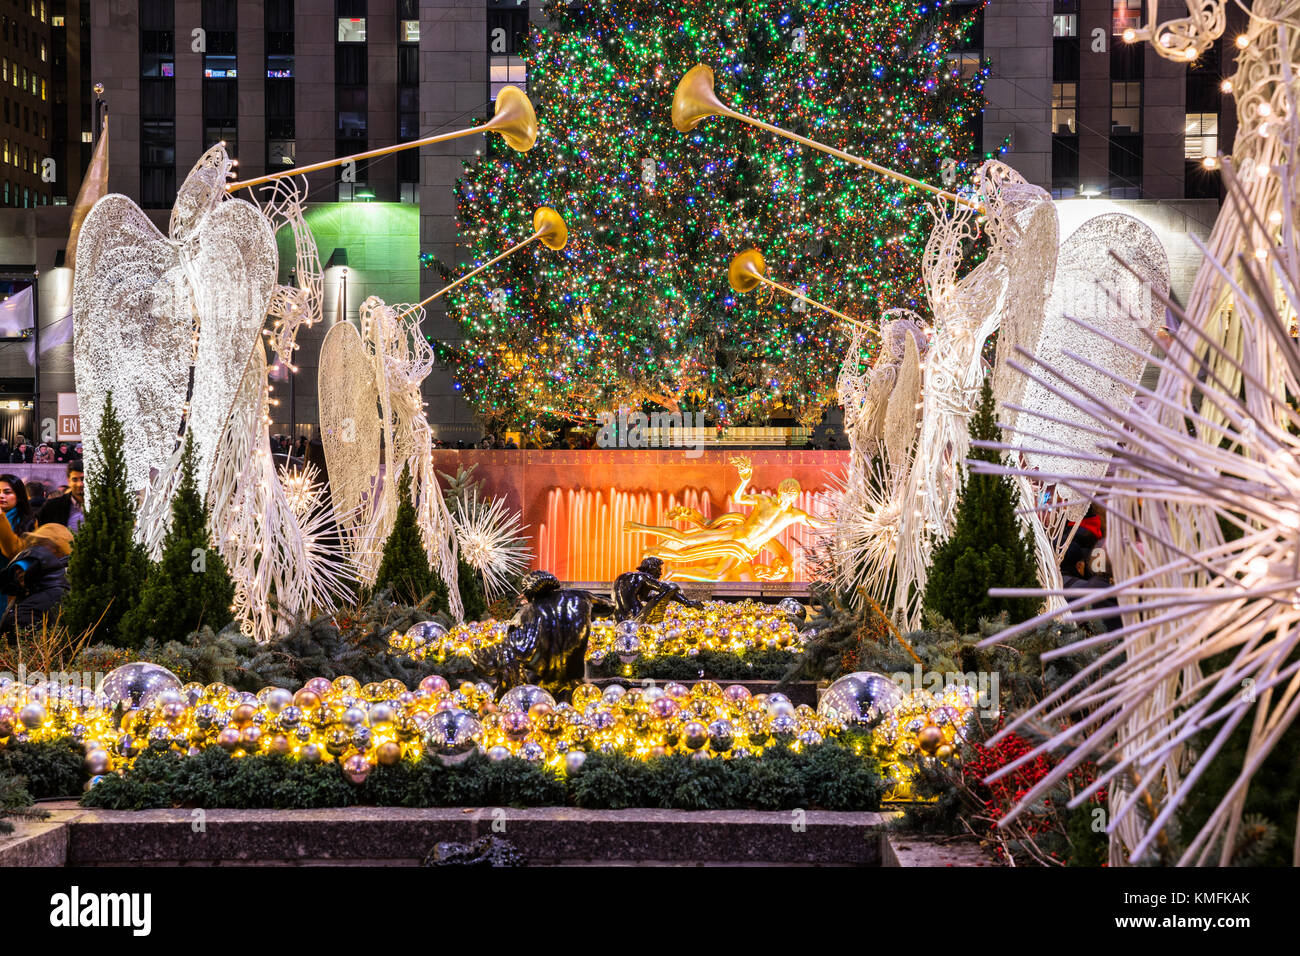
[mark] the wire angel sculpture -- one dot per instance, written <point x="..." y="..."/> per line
<point x="366" y="451"/>
<point x="172" y="325"/>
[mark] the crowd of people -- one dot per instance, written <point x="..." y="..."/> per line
<point x="46" y="453"/>
<point x="37" y="526"/>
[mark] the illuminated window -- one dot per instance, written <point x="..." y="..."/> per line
<point x="507" y="71"/>
<point x="56" y="21"/>
<point x="352" y="29"/>
<point x="1065" y="25"/>
<point x="1064" y="108"/>
<point x="1125" y="15"/>
<point x="281" y="152"/>
<point x="44" y="92"/>
<point x="1201" y="136"/>
<point x="1125" y="108"/>
<point x="87" y="136"/>
<point x="409" y="32"/>
<point x="964" y="64"/>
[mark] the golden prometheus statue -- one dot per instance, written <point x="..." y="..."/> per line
<point x="726" y="548"/>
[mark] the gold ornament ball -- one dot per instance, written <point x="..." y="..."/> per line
<point x="930" y="739"/>
<point x="306" y="699"/>
<point x="388" y="753"/>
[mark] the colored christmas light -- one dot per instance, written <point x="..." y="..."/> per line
<point x="637" y="308"/>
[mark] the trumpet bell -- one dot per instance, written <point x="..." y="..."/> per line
<point x="746" y="270"/>
<point x="550" y="228"/>
<point x="514" y="119"/>
<point x="695" y="100"/>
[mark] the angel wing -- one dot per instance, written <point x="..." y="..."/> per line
<point x="1091" y="285"/>
<point x="350" y="434"/>
<point x="132" y="333"/>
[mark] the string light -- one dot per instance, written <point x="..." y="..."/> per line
<point x="637" y="306"/>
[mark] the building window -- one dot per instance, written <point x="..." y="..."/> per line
<point x="281" y="152"/>
<point x="1065" y="25"/>
<point x="1201" y="136"/>
<point x="351" y="112"/>
<point x="1064" y="108"/>
<point x="157" y="103"/>
<point x="220" y="68"/>
<point x="352" y="29"/>
<point x="409" y="32"/>
<point x="56" y="21"/>
<point x="507" y="71"/>
<point x="281" y="147"/>
<point x="964" y="64"/>
<point x="1125" y="108"/>
<point x="1125" y="15"/>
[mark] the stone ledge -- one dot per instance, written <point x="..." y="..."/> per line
<point x="545" y="836"/>
<point x="550" y="836"/>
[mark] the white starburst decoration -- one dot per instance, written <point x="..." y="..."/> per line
<point x="1204" y="501"/>
<point x="303" y="489"/>
<point x="490" y="539"/>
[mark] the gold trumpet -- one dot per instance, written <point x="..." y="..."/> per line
<point x="695" y="100"/>
<point x="513" y="120"/>
<point x="549" y="228"/>
<point x="748" y="270"/>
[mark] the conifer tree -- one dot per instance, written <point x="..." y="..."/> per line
<point x="190" y="587"/>
<point x="988" y="547"/>
<point x="404" y="568"/>
<point x="107" y="568"/>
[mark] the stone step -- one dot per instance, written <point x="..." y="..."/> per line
<point x="394" y="836"/>
<point x="545" y="836"/>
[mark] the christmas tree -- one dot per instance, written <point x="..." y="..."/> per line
<point x="107" y="568"/>
<point x="190" y="586"/>
<point x="404" y="568"/>
<point x="989" y="548"/>
<point x="637" y="307"/>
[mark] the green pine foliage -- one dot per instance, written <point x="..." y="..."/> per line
<point x="107" y="568"/>
<point x="54" y="768"/>
<point x="190" y="587"/>
<point x="829" y="776"/>
<point x="988" y="548"/>
<point x="472" y="595"/>
<point x="16" y="803"/>
<point x="404" y="569"/>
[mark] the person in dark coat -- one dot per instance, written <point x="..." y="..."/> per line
<point x="1076" y="575"/>
<point x="67" y="510"/>
<point x="36" y="579"/>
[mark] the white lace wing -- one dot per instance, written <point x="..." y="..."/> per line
<point x="233" y="272"/>
<point x="350" y="433"/>
<point x="1092" y="286"/>
<point x="132" y="331"/>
